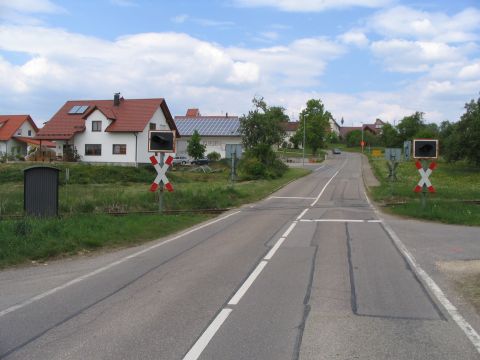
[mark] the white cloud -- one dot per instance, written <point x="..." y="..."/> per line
<point x="30" y="6"/>
<point x="471" y="71"/>
<point x="180" y="19"/>
<point x="124" y="3"/>
<point x="405" y="22"/>
<point x="354" y="37"/>
<point x="416" y="56"/>
<point x="311" y="5"/>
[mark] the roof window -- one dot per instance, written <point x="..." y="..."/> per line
<point x="78" y="109"/>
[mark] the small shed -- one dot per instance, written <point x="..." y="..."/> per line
<point x="40" y="191"/>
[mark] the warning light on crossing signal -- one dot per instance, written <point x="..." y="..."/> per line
<point x="161" y="141"/>
<point x="425" y="149"/>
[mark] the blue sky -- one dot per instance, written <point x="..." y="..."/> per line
<point x="363" y="58"/>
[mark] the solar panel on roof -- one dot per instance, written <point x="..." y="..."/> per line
<point x="78" y="109"/>
<point x="209" y="126"/>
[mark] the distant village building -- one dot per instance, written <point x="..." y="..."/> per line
<point x="107" y="131"/>
<point x="375" y="128"/>
<point x="215" y="131"/>
<point x="16" y="135"/>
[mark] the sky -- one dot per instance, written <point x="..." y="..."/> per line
<point x="365" y="59"/>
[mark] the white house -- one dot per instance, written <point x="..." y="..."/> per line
<point x="16" y="134"/>
<point x="215" y="131"/>
<point x="108" y="131"/>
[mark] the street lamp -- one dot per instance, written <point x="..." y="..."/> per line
<point x="304" y="145"/>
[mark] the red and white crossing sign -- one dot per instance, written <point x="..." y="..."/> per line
<point x="161" y="177"/>
<point x="425" y="175"/>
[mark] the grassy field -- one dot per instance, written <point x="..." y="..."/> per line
<point x="457" y="200"/>
<point x="93" y="191"/>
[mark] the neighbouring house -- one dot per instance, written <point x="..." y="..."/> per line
<point x="290" y="128"/>
<point x="334" y="127"/>
<point x="375" y="128"/>
<point x="215" y="131"/>
<point x="107" y="131"/>
<point x="16" y="135"/>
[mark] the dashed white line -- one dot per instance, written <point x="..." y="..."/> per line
<point x="274" y="249"/>
<point x="291" y="197"/>
<point x="341" y="220"/>
<point x="104" y="268"/>
<point x="197" y="349"/>
<point x="328" y="182"/>
<point x="246" y="285"/>
<point x="289" y="230"/>
<point x="302" y="214"/>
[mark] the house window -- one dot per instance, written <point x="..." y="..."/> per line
<point x="96" y="126"/>
<point x="119" y="149"/>
<point x="29" y="132"/>
<point x="19" y="132"/>
<point x="93" y="149"/>
<point x="153" y="126"/>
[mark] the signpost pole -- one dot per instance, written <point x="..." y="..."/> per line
<point x="424" y="187"/>
<point x="161" y="160"/>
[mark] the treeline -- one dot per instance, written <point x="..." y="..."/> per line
<point x="457" y="140"/>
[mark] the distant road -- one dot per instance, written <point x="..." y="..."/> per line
<point x="311" y="272"/>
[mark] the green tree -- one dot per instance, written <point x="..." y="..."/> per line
<point x="468" y="132"/>
<point x="195" y="148"/>
<point x="411" y="125"/>
<point x="390" y="136"/>
<point x="353" y="138"/>
<point x="317" y="120"/>
<point x="262" y="128"/>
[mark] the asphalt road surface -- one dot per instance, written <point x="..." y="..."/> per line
<point x="310" y="273"/>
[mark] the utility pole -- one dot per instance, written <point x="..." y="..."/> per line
<point x="304" y="144"/>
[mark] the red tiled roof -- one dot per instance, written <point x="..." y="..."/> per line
<point x="193" y="113"/>
<point x="11" y="123"/>
<point x="131" y="115"/>
<point x="290" y="126"/>
<point x="29" y="140"/>
<point x="201" y="117"/>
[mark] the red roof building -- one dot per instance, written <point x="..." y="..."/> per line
<point x="16" y="134"/>
<point x="108" y="131"/>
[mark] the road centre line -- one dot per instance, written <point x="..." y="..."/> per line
<point x="107" y="267"/>
<point x="292" y="197"/>
<point x="204" y="339"/>
<point x="246" y="285"/>
<point x="341" y="220"/>
<point x="274" y="249"/>
<point x="289" y="230"/>
<point x="328" y="182"/>
<point x="207" y="335"/>
<point x="302" y="213"/>
<point x="469" y="331"/>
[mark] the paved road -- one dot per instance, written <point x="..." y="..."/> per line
<point x="309" y="273"/>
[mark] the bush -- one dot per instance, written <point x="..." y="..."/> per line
<point x="251" y="168"/>
<point x="214" y="156"/>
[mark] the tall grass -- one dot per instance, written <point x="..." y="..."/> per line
<point x="456" y="186"/>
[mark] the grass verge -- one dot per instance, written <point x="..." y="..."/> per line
<point x="456" y="200"/>
<point x="84" y="228"/>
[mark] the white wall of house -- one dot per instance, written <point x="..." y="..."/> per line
<point x="213" y="143"/>
<point x="136" y="143"/>
<point x="26" y="130"/>
<point x="160" y="122"/>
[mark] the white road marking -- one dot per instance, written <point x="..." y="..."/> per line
<point x="197" y="349"/>
<point x="104" y="268"/>
<point x="469" y="331"/>
<point x="302" y="214"/>
<point x="341" y="220"/>
<point x="291" y="197"/>
<point x="246" y="285"/>
<point x="274" y="249"/>
<point x="289" y="230"/>
<point x="328" y="182"/>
